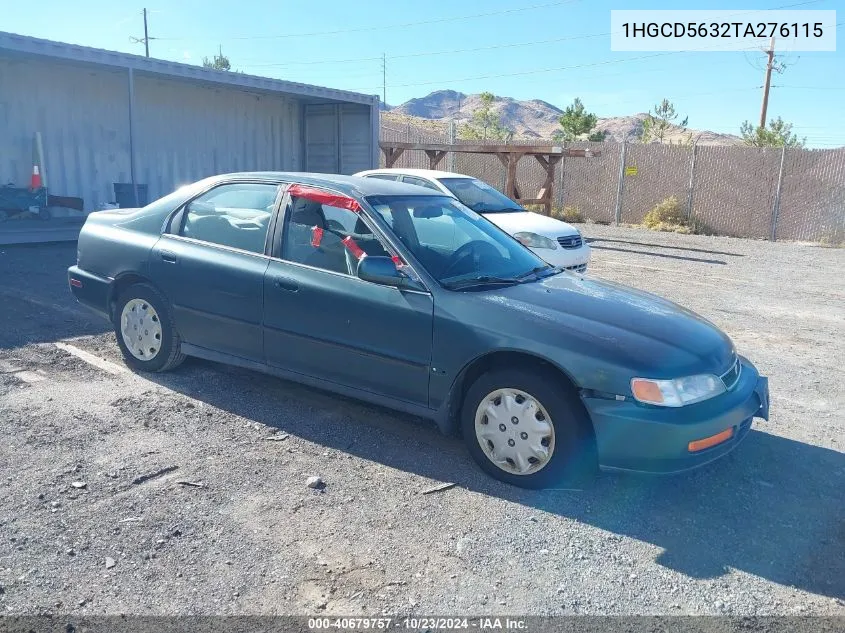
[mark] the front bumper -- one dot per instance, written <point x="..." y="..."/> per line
<point x="635" y="437"/>
<point x="90" y="290"/>
<point x="575" y="259"/>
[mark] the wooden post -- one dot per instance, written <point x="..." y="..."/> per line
<point x="434" y="157"/>
<point x="511" y="188"/>
<point x="391" y="155"/>
<point x="546" y="192"/>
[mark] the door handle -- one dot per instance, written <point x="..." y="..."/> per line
<point x="285" y="284"/>
<point x="169" y="257"/>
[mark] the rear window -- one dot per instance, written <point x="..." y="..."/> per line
<point x="479" y="196"/>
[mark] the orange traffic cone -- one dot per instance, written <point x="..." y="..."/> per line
<point x="35" y="182"/>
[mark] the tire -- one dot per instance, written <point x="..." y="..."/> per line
<point x="570" y="444"/>
<point x="158" y="332"/>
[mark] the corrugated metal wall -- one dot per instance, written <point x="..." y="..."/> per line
<point x="83" y="119"/>
<point x="183" y="131"/>
<point x="338" y="138"/>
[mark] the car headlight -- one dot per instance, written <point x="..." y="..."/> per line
<point x="677" y="392"/>
<point x="533" y="240"/>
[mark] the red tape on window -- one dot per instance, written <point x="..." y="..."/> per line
<point x="324" y="197"/>
<point x="316" y="236"/>
<point x="349" y="243"/>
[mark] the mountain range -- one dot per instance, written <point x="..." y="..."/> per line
<point x="533" y="118"/>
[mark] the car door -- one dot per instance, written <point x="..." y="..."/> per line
<point x="211" y="264"/>
<point x="321" y="320"/>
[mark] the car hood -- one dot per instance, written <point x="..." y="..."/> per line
<point x="515" y="221"/>
<point x="652" y="336"/>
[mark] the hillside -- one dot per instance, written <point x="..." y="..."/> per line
<point x="528" y="119"/>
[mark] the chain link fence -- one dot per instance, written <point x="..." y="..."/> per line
<point x="768" y="193"/>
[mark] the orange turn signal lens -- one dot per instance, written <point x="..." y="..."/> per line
<point x="646" y="391"/>
<point x="713" y="440"/>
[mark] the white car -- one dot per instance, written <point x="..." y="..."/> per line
<point x="558" y="243"/>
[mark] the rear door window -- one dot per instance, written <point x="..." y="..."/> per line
<point x="236" y="215"/>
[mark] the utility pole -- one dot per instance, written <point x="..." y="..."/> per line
<point x="769" y="67"/>
<point x="146" y="35"/>
<point x="145" y="39"/>
<point x="384" y="79"/>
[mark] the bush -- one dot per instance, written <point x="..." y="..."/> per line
<point x="569" y="214"/>
<point x="668" y="212"/>
<point x="669" y="216"/>
<point x="834" y="238"/>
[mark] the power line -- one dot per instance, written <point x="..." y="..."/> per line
<point x="391" y="26"/>
<point x="433" y="53"/>
<point x="468" y="50"/>
<point x="812" y="87"/>
<point x="547" y="70"/>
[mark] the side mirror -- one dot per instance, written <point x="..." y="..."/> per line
<point x="381" y="270"/>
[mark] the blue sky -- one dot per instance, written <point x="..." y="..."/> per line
<point x="537" y="44"/>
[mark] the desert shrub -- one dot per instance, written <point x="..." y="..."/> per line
<point x="668" y="212"/>
<point x="834" y="238"/>
<point x="669" y="216"/>
<point x="568" y="214"/>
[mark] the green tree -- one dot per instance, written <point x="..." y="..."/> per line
<point x="660" y="121"/>
<point x="576" y="122"/>
<point x="218" y="62"/>
<point x="485" y="124"/>
<point x="778" y="134"/>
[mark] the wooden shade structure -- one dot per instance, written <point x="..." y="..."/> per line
<point x="547" y="155"/>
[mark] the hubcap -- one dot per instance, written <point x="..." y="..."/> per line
<point x="141" y="329"/>
<point x="514" y="431"/>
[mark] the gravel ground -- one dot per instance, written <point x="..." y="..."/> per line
<point x="95" y="517"/>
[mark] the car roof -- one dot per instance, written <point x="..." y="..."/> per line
<point x="349" y="185"/>
<point x="424" y="173"/>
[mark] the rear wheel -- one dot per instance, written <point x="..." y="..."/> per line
<point x="525" y="428"/>
<point x="145" y="330"/>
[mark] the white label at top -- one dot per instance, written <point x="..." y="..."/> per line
<point x="722" y="30"/>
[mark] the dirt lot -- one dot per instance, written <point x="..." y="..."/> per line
<point x="93" y="519"/>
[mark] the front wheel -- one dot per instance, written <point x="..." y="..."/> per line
<point x="525" y="428"/>
<point x="145" y="330"/>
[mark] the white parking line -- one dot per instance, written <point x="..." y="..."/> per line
<point x="99" y="363"/>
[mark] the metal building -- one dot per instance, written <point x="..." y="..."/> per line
<point x="105" y="117"/>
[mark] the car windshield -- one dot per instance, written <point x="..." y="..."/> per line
<point x="479" y="196"/>
<point x="457" y="246"/>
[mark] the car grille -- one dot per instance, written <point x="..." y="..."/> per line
<point x="570" y="241"/>
<point x="580" y="268"/>
<point x="731" y="376"/>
